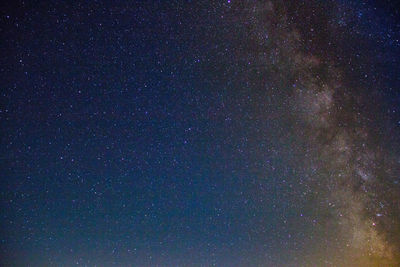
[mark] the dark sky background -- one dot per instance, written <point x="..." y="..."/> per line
<point x="200" y="133"/>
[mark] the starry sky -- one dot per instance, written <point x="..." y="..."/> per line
<point x="200" y="133"/>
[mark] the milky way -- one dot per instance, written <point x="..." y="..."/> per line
<point x="354" y="176"/>
<point x="200" y="133"/>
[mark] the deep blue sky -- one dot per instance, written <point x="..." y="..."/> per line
<point x="200" y="133"/>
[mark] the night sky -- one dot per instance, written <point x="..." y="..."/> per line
<point x="200" y="133"/>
